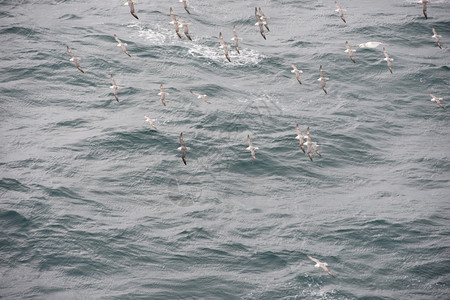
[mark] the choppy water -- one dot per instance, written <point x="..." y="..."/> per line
<point x="96" y="204"/>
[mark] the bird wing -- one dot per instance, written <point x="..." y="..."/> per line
<point x="326" y="270"/>
<point x="70" y="52"/>
<point x="77" y="64"/>
<point x="181" y="140"/>
<point x="195" y="94"/>
<point x="131" y="5"/>
<point x="249" y="141"/>
<point x="113" y="81"/>
<point x="313" y="259"/>
<point x="185" y="6"/>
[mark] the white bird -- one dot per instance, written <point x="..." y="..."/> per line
<point x="185" y="5"/>
<point x="185" y="27"/>
<point x="320" y="264"/>
<point x="236" y="39"/>
<point x="340" y="11"/>
<point x="436" y="36"/>
<point x="76" y="60"/>
<point x="437" y="100"/>
<point x="123" y="45"/>
<point x="183" y="149"/>
<point x="114" y="87"/>
<point x="175" y="23"/>
<point x="264" y="19"/>
<point x="150" y="121"/>
<point x="224" y="46"/>
<point x="297" y="72"/>
<point x="323" y="79"/>
<point x="200" y="96"/>
<point x="311" y="145"/>
<point x="130" y="3"/>
<point x="251" y="148"/>
<point x="163" y="94"/>
<point x="350" y="51"/>
<point x="372" y="45"/>
<point x="388" y="60"/>
<point x="300" y="137"/>
<point x="260" y="23"/>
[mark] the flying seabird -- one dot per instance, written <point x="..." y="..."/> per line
<point x="297" y="72"/>
<point x="251" y="148"/>
<point x="163" y="94"/>
<point x="311" y="145"/>
<point x="183" y="149"/>
<point x="185" y="27"/>
<point x="436" y="36"/>
<point x="175" y="23"/>
<point x="123" y="45"/>
<point x="340" y="11"/>
<point x="320" y="264"/>
<point x="437" y="100"/>
<point x="130" y="3"/>
<point x="372" y="45"/>
<point x="260" y="23"/>
<point x="224" y="46"/>
<point x="76" y="60"/>
<point x="349" y="51"/>
<point x="424" y="7"/>
<point x="150" y="121"/>
<point x="388" y="60"/>
<point x="236" y="39"/>
<point x="185" y="5"/>
<point x="300" y="137"/>
<point x="323" y="79"/>
<point x="200" y="96"/>
<point x="263" y="19"/>
<point x="114" y="87"/>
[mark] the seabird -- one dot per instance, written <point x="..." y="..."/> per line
<point x="436" y="36"/>
<point x="424" y="7"/>
<point x="200" y="96"/>
<point x="251" y="148"/>
<point x="236" y="39"/>
<point x="372" y="45"/>
<point x="76" y="60"/>
<point x="437" y="100"/>
<point x="263" y="19"/>
<point x="388" y="60"/>
<point x="114" y="87"/>
<point x="340" y="11"/>
<point x="320" y="264"/>
<point x="297" y="72"/>
<point x="183" y="149"/>
<point x="300" y="137"/>
<point x="349" y="51"/>
<point x="311" y="145"/>
<point x="323" y="79"/>
<point x="260" y="23"/>
<point x="123" y="45"/>
<point x="185" y="27"/>
<point x="185" y="5"/>
<point x="130" y="3"/>
<point x="175" y="23"/>
<point x="224" y="46"/>
<point x="150" y="121"/>
<point x="163" y="94"/>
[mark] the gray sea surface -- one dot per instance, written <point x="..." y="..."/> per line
<point x="96" y="204"/>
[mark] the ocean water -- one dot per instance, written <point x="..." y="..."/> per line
<point x="95" y="204"/>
